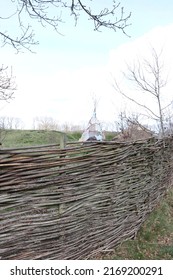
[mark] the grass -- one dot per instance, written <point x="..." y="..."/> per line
<point x="110" y="135"/>
<point x="21" y="138"/>
<point x="154" y="240"/>
<point x="74" y="135"/>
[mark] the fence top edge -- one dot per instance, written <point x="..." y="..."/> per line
<point x="87" y="143"/>
<point x="30" y="147"/>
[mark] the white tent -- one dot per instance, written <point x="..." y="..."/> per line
<point x="93" y="131"/>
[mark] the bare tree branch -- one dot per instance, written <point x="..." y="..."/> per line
<point x="147" y="76"/>
<point x="99" y="19"/>
<point x="7" y="84"/>
<point x="25" y="41"/>
<point x="167" y="106"/>
<point x="49" y="12"/>
<point x="119" y="90"/>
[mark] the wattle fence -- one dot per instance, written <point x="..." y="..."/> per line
<point x="75" y="202"/>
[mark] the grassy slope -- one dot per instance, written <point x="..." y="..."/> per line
<point x="154" y="240"/>
<point x="20" y="138"/>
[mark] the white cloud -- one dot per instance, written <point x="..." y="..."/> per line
<point x="139" y="49"/>
<point x="46" y="88"/>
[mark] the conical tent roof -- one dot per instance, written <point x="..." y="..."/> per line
<point x="93" y="130"/>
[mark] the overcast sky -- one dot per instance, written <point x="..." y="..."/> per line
<point x="65" y="71"/>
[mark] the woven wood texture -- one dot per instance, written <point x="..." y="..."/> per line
<point x="75" y="202"/>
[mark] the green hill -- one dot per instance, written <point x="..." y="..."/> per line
<point x="154" y="240"/>
<point x="21" y="138"/>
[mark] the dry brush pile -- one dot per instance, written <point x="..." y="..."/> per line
<point x="73" y="203"/>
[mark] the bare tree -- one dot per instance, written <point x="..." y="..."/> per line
<point x="121" y="122"/>
<point x="7" y="123"/>
<point x="148" y="78"/>
<point x="130" y="127"/>
<point x="10" y="123"/>
<point x="71" y="127"/>
<point x="45" y="123"/>
<point x="7" y="84"/>
<point x="49" y="12"/>
<point x="168" y="121"/>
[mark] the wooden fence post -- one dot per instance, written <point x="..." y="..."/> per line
<point x="62" y="146"/>
<point x="62" y="141"/>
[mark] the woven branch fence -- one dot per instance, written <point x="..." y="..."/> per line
<point x="75" y="202"/>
